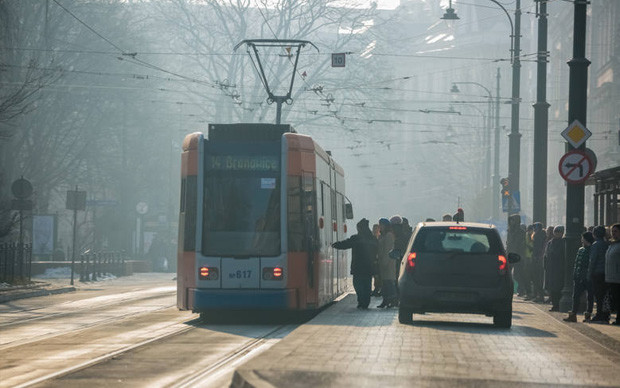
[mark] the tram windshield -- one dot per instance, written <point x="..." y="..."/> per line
<point x="242" y="200"/>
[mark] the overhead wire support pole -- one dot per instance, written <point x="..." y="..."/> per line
<point x="541" y="121"/>
<point x="284" y="43"/>
<point x="577" y="110"/>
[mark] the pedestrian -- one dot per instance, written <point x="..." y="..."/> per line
<point x="515" y="243"/>
<point x="581" y="283"/>
<point x="459" y="216"/>
<point x="377" y="274"/>
<point x="596" y="274"/>
<point x="364" y="250"/>
<point x="612" y="270"/>
<point x="536" y="270"/>
<point x="529" y="250"/>
<point x="554" y="267"/>
<point x="387" y="266"/>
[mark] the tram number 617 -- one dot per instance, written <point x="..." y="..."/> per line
<point x="240" y="274"/>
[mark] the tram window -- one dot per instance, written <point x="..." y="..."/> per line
<point x="322" y="199"/>
<point x="189" y="200"/>
<point x="295" y="221"/>
<point x="334" y="204"/>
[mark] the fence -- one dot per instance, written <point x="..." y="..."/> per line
<point x="94" y="265"/>
<point x="15" y="263"/>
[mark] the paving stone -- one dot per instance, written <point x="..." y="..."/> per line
<point x="344" y="346"/>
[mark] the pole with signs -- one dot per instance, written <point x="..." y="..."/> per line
<point x="76" y="200"/>
<point x="577" y="111"/>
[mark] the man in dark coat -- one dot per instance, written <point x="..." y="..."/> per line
<point x="364" y="253"/>
<point x="554" y="267"/>
<point x="596" y="273"/>
<point x="516" y="244"/>
<point x="536" y="270"/>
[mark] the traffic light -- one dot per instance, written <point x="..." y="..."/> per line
<point x="505" y="187"/>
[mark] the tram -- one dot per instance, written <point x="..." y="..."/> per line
<point x="260" y="207"/>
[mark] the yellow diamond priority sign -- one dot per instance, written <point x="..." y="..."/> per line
<point x="576" y="134"/>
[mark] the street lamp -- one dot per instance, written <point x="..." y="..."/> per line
<point x="495" y="202"/>
<point x="450" y="13"/>
<point x="514" y="141"/>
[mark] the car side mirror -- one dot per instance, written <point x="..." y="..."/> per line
<point x="513" y="258"/>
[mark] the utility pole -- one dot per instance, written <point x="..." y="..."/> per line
<point x="514" y="142"/>
<point x="541" y="120"/>
<point x="495" y="184"/>
<point x="577" y="110"/>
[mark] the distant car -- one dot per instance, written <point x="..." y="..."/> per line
<point x="456" y="267"/>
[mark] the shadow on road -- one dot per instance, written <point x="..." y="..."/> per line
<point x="484" y="328"/>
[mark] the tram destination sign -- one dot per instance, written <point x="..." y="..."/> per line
<point x="243" y="162"/>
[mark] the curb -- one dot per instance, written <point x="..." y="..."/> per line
<point x="34" y="293"/>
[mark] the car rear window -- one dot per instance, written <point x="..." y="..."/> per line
<point x="456" y="239"/>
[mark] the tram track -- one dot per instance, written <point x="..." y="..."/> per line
<point x="112" y="316"/>
<point x="94" y="303"/>
<point x="205" y="373"/>
<point x="175" y="329"/>
<point x="215" y="370"/>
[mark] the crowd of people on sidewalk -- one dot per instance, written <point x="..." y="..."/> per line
<point x="541" y="272"/>
<point x="539" y="275"/>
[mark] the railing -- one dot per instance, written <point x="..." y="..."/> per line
<point x="94" y="265"/>
<point x="15" y="263"/>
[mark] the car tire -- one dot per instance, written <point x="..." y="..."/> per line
<point x="405" y="315"/>
<point x="503" y="319"/>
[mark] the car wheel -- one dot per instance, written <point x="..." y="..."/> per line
<point x="405" y="315"/>
<point x="503" y="319"/>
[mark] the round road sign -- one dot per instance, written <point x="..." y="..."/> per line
<point x="575" y="166"/>
<point x="21" y="188"/>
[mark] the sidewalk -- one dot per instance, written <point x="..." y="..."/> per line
<point x="346" y="347"/>
<point x="38" y="287"/>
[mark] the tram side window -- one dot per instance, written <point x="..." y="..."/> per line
<point x="334" y="204"/>
<point x="321" y="205"/>
<point x="188" y="208"/>
<point x="295" y="228"/>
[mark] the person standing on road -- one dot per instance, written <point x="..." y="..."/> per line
<point x="387" y="266"/>
<point x="515" y="243"/>
<point x="596" y="273"/>
<point x="529" y="251"/>
<point x="377" y="274"/>
<point x="581" y="283"/>
<point x="554" y="267"/>
<point x="538" y="250"/>
<point x="612" y="270"/>
<point x="364" y="250"/>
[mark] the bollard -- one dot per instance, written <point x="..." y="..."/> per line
<point x="94" y="277"/>
<point x="83" y="268"/>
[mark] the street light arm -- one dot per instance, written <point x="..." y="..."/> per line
<point x="512" y="30"/>
<point x="475" y="83"/>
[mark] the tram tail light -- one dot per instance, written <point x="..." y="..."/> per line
<point x="411" y="261"/>
<point x="208" y="273"/>
<point x="273" y="273"/>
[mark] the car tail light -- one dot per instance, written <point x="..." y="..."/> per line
<point x="501" y="260"/>
<point x="273" y="273"/>
<point x="208" y="273"/>
<point x="411" y="261"/>
<point x="457" y="228"/>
